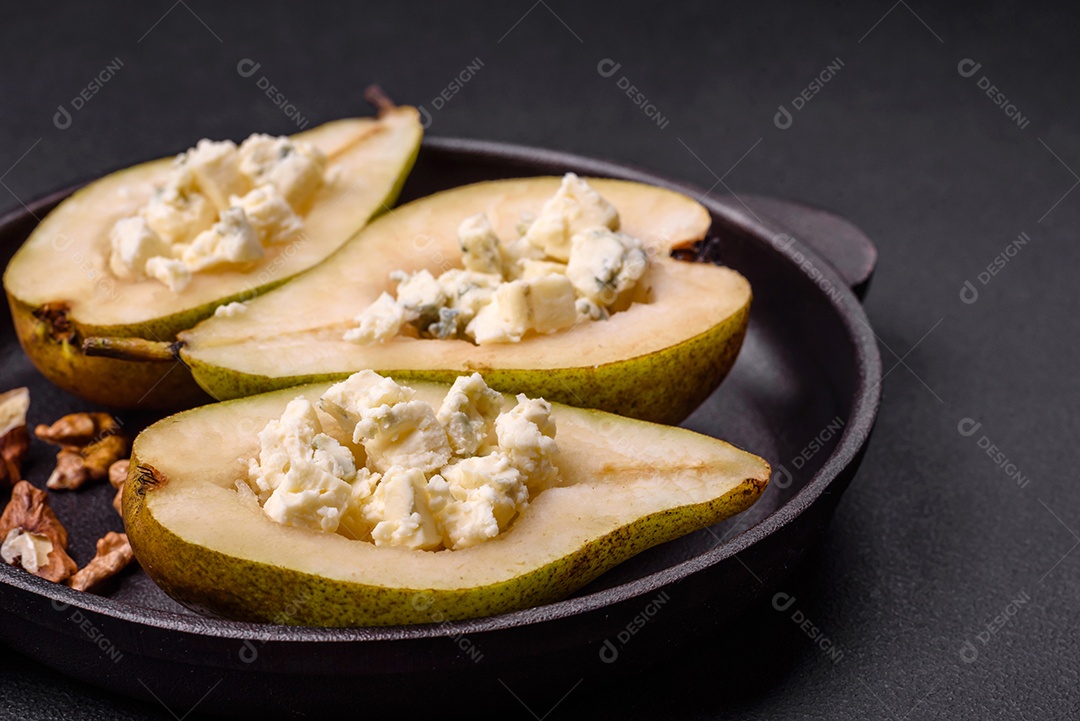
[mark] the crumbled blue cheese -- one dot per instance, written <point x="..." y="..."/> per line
<point x="297" y="169"/>
<point x="220" y="205"/>
<point x="526" y="435"/>
<point x="474" y="499"/>
<point x="467" y="292"/>
<point x="419" y="293"/>
<point x="605" y="266"/>
<point x="301" y="475"/>
<point x="406" y="434"/>
<point x="480" y="248"/>
<point x="177" y="213"/>
<point x="588" y="309"/>
<point x="544" y="305"/>
<point x="569" y="267"/>
<point x="531" y="268"/>
<point x="169" y="271"/>
<point x="380" y="321"/>
<point x="269" y="214"/>
<point x="401" y="512"/>
<point x="468" y="413"/>
<point x="173" y="273"/>
<point x="358" y="394"/>
<point x="230" y="310"/>
<point x="449" y="479"/>
<point x="133" y="243"/>
<point x="215" y="169"/>
<point x="230" y="241"/>
<point x="574" y="207"/>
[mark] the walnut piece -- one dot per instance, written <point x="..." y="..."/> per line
<point x="14" y="438"/>
<point x="118" y="473"/>
<point x="113" y="554"/>
<point x="77" y="466"/>
<point x="76" y="430"/>
<point x="33" y="536"/>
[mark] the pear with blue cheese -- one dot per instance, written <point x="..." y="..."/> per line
<point x="64" y="287"/>
<point x="659" y="349"/>
<point x="622" y="486"/>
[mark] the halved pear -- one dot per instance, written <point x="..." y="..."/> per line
<point x="60" y="289"/>
<point x="625" y="485"/>
<point x="656" y="361"/>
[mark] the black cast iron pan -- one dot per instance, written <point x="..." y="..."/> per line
<point x="803" y="394"/>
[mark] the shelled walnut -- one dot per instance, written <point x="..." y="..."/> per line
<point x="33" y="536"/>
<point x="14" y="438"/>
<point x="113" y="554"/>
<point x="76" y="430"/>
<point x="118" y="473"/>
<point x="89" y="444"/>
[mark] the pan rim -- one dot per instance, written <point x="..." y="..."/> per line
<point x="857" y="428"/>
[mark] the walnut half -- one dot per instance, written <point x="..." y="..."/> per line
<point x="33" y="536"/>
<point x="76" y="430"/>
<point x="118" y="473"/>
<point x="14" y="438"/>
<point x="89" y="444"/>
<point x="113" y="554"/>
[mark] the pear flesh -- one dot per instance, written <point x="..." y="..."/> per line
<point x="61" y="290"/>
<point x="656" y="360"/>
<point x="624" y="486"/>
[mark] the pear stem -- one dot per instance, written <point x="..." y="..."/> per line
<point x="377" y="97"/>
<point x="132" y="349"/>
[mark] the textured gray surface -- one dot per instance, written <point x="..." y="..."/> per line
<point x="934" y="540"/>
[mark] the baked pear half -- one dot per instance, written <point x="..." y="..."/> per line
<point x="660" y="352"/>
<point x="63" y="285"/>
<point x="623" y="486"/>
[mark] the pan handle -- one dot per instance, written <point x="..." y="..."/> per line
<point x="840" y="243"/>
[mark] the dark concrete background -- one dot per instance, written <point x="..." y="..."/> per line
<point x="934" y="540"/>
